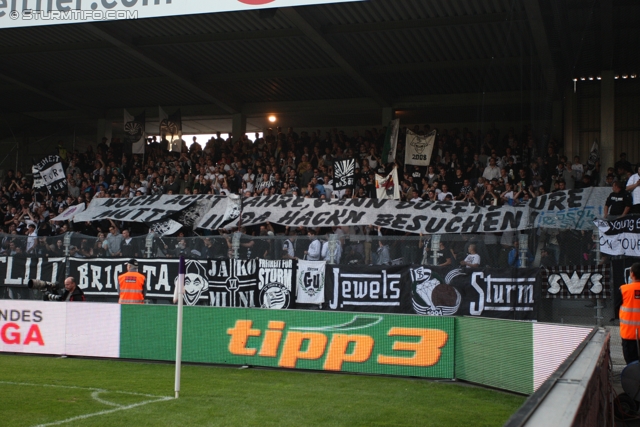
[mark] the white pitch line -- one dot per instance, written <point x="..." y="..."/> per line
<point x="109" y="411"/>
<point x="94" y="395"/>
<point x="80" y="388"/>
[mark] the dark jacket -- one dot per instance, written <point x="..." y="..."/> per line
<point x="76" y="295"/>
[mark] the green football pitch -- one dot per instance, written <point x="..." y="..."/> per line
<point x="47" y="391"/>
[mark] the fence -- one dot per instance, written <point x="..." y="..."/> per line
<point x="574" y="248"/>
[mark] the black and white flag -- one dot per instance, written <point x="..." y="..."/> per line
<point x="509" y="293"/>
<point x="137" y="209"/>
<point x="171" y="129"/>
<point x="275" y="283"/>
<point x="98" y="277"/>
<point x="310" y="282"/>
<point x="134" y="133"/>
<point x="233" y="282"/>
<point x="418" y="148"/>
<point x="38" y="182"/>
<point x="375" y="289"/>
<point x="577" y="281"/>
<point x="594" y="157"/>
<point x="344" y="174"/>
<point x="18" y="270"/>
<point x="52" y="173"/>
<point x="620" y="237"/>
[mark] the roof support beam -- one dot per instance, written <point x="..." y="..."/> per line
<point x="216" y="37"/>
<point x="424" y="23"/>
<point x="536" y="23"/>
<point x="288" y="74"/>
<point x="155" y="41"/>
<point x="208" y="111"/>
<point x="445" y="65"/>
<point x="316" y="37"/>
<point x="264" y="75"/>
<point x="181" y="80"/>
<point x="46" y="94"/>
<point x="606" y="28"/>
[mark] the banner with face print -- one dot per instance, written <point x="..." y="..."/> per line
<point x="418" y="148"/>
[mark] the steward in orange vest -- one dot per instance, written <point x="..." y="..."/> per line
<point x="630" y="315"/>
<point x="131" y="284"/>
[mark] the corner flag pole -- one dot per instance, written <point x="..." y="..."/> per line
<point x="178" y="296"/>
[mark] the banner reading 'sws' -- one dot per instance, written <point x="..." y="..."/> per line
<point x="577" y="281"/>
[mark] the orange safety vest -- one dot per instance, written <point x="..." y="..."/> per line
<point x="630" y="311"/>
<point x="131" y="286"/>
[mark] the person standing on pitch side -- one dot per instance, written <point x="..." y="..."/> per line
<point x="131" y="284"/>
<point x="630" y="315"/>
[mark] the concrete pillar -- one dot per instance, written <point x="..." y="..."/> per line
<point x="607" y="120"/>
<point x="556" y="120"/>
<point x="104" y="129"/>
<point x="571" y="136"/>
<point x="238" y="126"/>
<point x="387" y="115"/>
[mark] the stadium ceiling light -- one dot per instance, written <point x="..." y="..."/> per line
<point x="583" y="78"/>
<point x="624" y="76"/>
<point x="599" y="78"/>
<point x="633" y="76"/>
<point x="617" y="77"/>
<point x="590" y="77"/>
<point x="272" y="118"/>
<point x="575" y="80"/>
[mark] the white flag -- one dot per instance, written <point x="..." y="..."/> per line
<point x="388" y="187"/>
<point x="310" y="282"/>
<point x="391" y="142"/>
<point x="418" y="148"/>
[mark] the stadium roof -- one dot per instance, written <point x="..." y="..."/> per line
<point x="335" y="64"/>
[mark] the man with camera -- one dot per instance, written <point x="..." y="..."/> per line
<point x="71" y="291"/>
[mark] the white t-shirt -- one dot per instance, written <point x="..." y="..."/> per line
<point x="288" y="248"/>
<point x="472" y="259"/>
<point x="442" y="195"/>
<point x="314" y="251"/>
<point x="577" y="170"/>
<point x="636" y="191"/>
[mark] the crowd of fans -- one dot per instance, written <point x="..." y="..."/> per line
<point x="485" y="169"/>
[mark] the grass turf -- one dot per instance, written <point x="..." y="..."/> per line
<point x="222" y="396"/>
